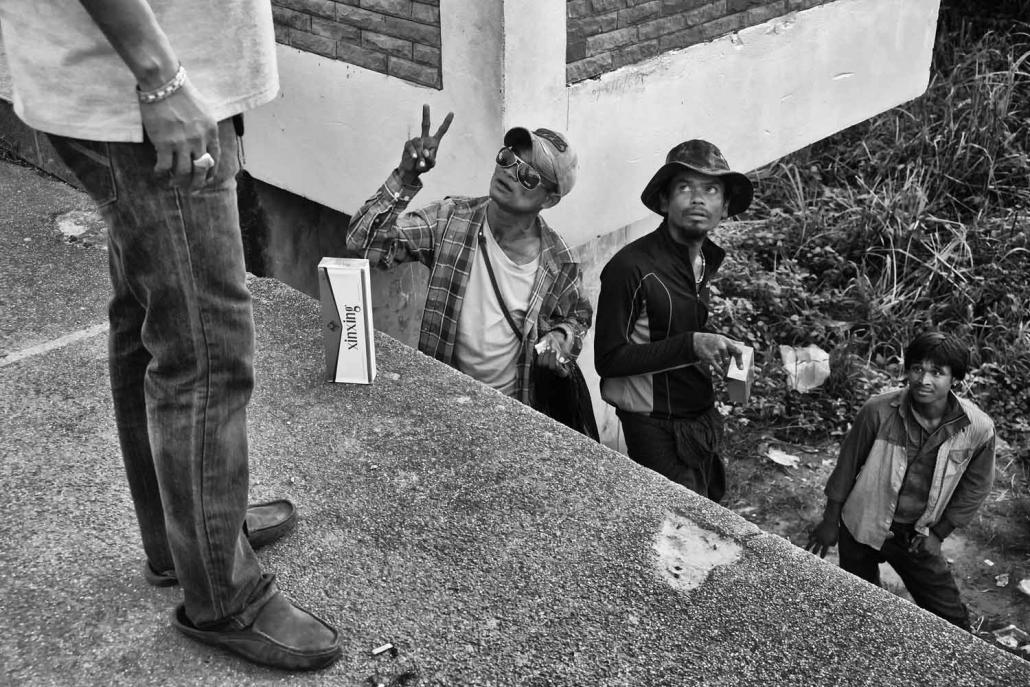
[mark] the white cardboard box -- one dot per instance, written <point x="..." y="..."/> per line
<point x="344" y="286"/>
<point x="739" y="379"/>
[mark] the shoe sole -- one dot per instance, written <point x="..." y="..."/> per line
<point x="260" y="648"/>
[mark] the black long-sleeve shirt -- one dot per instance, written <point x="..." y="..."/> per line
<point x="647" y="313"/>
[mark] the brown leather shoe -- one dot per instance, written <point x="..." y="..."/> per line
<point x="282" y="636"/>
<point x="265" y="523"/>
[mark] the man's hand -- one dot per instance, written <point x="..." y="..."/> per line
<point x="182" y="129"/>
<point x="715" y="351"/>
<point x="420" y="153"/>
<point x="929" y="544"/>
<point x="554" y="351"/>
<point x="823" y="536"/>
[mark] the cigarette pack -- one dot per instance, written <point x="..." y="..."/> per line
<point x="344" y="286"/>
<point x="739" y="379"/>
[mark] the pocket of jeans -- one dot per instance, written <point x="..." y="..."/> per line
<point x="90" y="162"/>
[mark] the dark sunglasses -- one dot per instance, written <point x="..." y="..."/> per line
<point x="524" y="172"/>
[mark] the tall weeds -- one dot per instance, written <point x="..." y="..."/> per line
<point x="917" y="218"/>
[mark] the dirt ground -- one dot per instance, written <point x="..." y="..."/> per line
<point x="989" y="557"/>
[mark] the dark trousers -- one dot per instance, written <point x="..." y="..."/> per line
<point x="926" y="576"/>
<point x="685" y="451"/>
<point x="181" y="362"/>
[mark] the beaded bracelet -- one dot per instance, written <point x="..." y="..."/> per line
<point x="164" y="90"/>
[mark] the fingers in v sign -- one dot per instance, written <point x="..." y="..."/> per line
<point x="430" y="144"/>
<point x="420" y="153"/>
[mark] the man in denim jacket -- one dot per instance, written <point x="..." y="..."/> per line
<point x="916" y="464"/>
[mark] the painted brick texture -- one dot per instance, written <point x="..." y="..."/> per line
<point x="604" y="35"/>
<point x="396" y="37"/>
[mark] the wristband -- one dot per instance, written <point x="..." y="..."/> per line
<point x="164" y="90"/>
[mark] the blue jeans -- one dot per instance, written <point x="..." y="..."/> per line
<point x="181" y="364"/>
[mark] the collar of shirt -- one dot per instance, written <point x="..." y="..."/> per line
<point x="713" y="253"/>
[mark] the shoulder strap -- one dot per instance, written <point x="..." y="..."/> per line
<point x="497" y="290"/>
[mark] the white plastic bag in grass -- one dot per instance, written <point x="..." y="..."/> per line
<point x="807" y="368"/>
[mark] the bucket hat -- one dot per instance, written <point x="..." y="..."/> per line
<point x="699" y="156"/>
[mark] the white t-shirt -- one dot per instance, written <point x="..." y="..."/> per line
<point x="68" y="80"/>
<point x="487" y="348"/>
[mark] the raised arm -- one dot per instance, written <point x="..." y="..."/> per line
<point x="378" y="228"/>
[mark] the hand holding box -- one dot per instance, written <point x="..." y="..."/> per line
<point x="740" y="378"/>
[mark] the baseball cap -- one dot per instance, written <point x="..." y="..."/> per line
<point x="553" y="157"/>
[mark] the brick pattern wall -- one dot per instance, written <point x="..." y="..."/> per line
<point x="604" y="35"/>
<point x="396" y="37"/>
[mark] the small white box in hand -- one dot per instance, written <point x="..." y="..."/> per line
<point x="739" y="379"/>
<point x="344" y="286"/>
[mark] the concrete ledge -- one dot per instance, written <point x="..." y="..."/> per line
<point x="490" y="545"/>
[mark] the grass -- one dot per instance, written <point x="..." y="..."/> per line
<point x="917" y="218"/>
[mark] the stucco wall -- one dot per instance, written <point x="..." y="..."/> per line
<point x="760" y="93"/>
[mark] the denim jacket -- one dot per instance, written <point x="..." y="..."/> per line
<point x="873" y="460"/>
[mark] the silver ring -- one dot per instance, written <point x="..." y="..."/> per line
<point x="205" y="161"/>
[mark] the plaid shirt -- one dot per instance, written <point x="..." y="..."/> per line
<point x="444" y="237"/>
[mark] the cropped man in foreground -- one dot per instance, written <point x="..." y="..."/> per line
<point x="916" y="464"/>
<point x="141" y="100"/>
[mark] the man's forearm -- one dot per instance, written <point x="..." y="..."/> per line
<point x="833" y="510"/>
<point x="625" y="358"/>
<point x="132" y="30"/>
<point x="371" y="223"/>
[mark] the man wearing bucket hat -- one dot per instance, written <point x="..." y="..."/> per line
<point x="504" y="290"/>
<point x="651" y="347"/>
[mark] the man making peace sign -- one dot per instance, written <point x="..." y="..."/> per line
<point x="482" y="251"/>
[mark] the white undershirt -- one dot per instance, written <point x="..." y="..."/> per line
<point x="67" y="79"/>
<point x="486" y="348"/>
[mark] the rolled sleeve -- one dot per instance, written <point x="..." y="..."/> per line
<point x="382" y="233"/>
